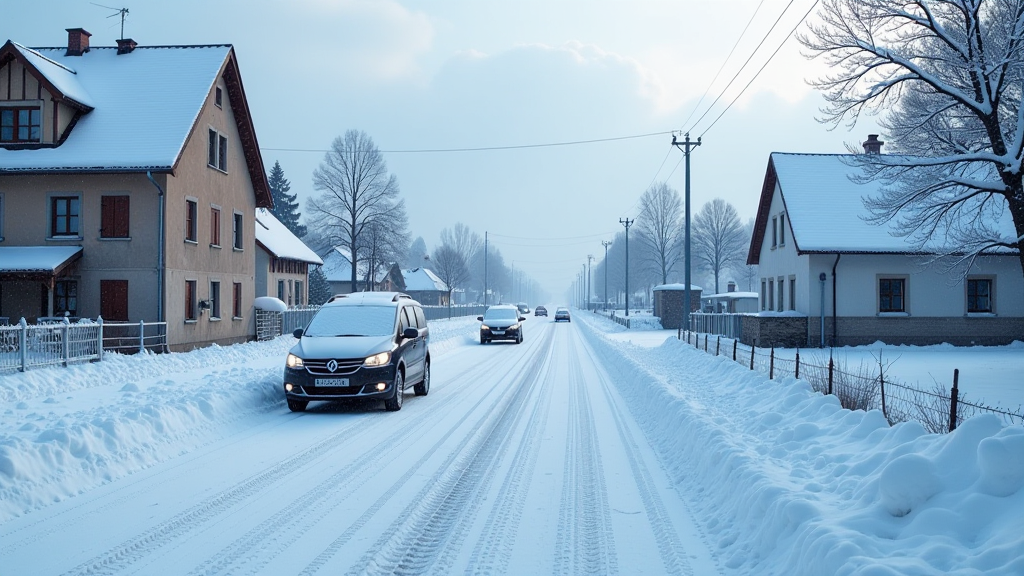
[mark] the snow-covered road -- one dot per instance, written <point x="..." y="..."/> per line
<point x="523" y="459"/>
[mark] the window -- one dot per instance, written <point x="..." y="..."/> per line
<point x="218" y="98"/>
<point x="764" y="295"/>
<point x="775" y="232"/>
<point x="891" y="295"/>
<point x="65" y="298"/>
<point x="236" y="305"/>
<point x="215" y="226"/>
<point x="280" y="290"/>
<point x="792" y="293"/>
<point x="191" y="217"/>
<point x="771" y="294"/>
<point x="1" y="217"/>
<point x="299" y="295"/>
<point x="21" y="124"/>
<point x="782" y="229"/>
<point x="236" y="231"/>
<point x="64" y="215"/>
<point x="217" y="152"/>
<point x="114" y="216"/>
<point x="190" y="301"/>
<point x="979" y="295"/>
<point x="114" y="300"/>
<point x="781" y="306"/>
<point x="214" y="300"/>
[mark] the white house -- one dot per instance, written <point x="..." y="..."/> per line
<point x="425" y="286"/>
<point x="827" y="276"/>
<point x="282" y="261"/>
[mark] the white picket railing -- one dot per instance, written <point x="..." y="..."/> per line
<point x="61" y="342"/>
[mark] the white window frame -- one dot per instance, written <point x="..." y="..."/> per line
<point x="219" y="157"/>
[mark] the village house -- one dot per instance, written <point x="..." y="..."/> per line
<point x="830" y="277"/>
<point x="133" y="174"/>
<point x="425" y="286"/>
<point x="282" y="261"/>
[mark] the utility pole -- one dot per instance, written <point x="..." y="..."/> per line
<point x="606" y="244"/>
<point x="686" y="146"/>
<point x="627" y="223"/>
<point x="590" y="257"/>
<point x="485" y="269"/>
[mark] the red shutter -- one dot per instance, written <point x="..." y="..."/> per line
<point x="114" y="300"/>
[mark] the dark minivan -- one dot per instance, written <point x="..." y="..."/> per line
<point x="361" y="345"/>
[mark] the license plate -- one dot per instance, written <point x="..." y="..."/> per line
<point x="497" y="331"/>
<point x="330" y="382"/>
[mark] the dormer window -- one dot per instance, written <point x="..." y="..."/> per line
<point x="21" y="124"/>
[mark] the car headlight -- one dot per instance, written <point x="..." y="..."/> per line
<point x="294" y="361"/>
<point x="514" y="327"/>
<point x="485" y="327"/>
<point x="377" y="359"/>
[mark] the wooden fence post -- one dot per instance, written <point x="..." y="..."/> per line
<point x="734" y="343"/>
<point x="705" y="342"/>
<point x="752" y="348"/>
<point x="797" y="364"/>
<point x="830" y="367"/>
<point x="718" y="347"/>
<point x="953" y="399"/>
<point x="771" y="365"/>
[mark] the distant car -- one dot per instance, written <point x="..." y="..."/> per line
<point x="562" y="313"/>
<point x="501" y="322"/>
<point x="540" y="311"/>
<point x="362" y="345"/>
<point x="523" y="308"/>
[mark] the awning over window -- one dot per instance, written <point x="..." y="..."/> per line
<point x="42" y="263"/>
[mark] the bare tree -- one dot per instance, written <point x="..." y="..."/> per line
<point x="385" y="241"/>
<point x="464" y="241"/>
<point x="747" y="272"/>
<point x="658" y="232"/>
<point x="451" y="268"/>
<point x="719" y="241"/>
<point x="356" y="193"/>
<point x="947" y="77"/>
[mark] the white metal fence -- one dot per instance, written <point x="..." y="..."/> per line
<point x="728" y="325"/>
<point x="24" y="345"/>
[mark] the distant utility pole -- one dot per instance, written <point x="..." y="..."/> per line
<point x="606" y="244"/>
<point x="686" y="146"/>
<point x="485" y="269"/>
<point x="590" y="257"/>
<point x="627" y="223"/>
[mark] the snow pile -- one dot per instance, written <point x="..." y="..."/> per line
<point x="789" y="482"/>
<point x="64" y="431"/>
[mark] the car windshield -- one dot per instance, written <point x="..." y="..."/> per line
<point x="352" y="321"/>
<point x="493" y="314"/>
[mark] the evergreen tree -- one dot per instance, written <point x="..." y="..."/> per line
<point x="286" y="207"/>
<point x="319" y="288"/>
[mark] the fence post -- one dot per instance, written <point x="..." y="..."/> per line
<point x="718" y="347"/>
<point x="705" y="342"/>
<point x="953" y="399"/>
<point x="797" y="364"/>
<point x="881" y="385"/>
<point x="142" y="336"/>
<point x="734" y="343"/>
<point x="830" y="366"/>
<point x="771" y="365"/>
<point x="99" y="344"/>
<point x="65" y="346"/>
<point x="22" y="341"/>
<point x="752" y="348"/>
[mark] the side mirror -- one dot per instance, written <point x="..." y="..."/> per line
<point x="410" y="333"/>
<point x="480" y="318"/>
<point x="521" y="318"/>
<point x="297" y="333"/>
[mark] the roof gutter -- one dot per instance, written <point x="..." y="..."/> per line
<point x="160" y="250"/>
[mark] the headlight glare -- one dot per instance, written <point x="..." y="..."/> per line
<point x="485" y="327"/>
<point x="514" y="327"/>
<point x="294" y="361"/>
<point x="377" y="359"/>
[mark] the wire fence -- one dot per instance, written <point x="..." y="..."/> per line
<point x="861" y="387"/>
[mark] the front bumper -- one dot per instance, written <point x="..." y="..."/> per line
<point x="361" y="383"/>
<point x="508" y="334"/>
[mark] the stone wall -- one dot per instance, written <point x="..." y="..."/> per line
<point x="919" y="331"/>
<point x="777" y="331"/>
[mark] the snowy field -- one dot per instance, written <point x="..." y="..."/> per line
<point x="779" y="479"/>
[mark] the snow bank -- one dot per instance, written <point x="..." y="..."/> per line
<point x="789" y="482"/>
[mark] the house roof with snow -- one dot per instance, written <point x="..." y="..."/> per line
<point x="277" y="239"/>
<point x="37" y="259"/>
<point x="134" y="110"/>
<point x="423" y="280"/>
<point x="825" y="208"/>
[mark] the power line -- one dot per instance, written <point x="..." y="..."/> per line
<point x="783" y="43"/>
<point x="486" y="148"/>
<point x="553" y="238"/>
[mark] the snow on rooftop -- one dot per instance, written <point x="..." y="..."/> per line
<point x="144" y="105"/>
<point x="423" y="279"/>
<point x="280" y="241"/>
<point x="678" y="286"/>
<point x="35" y="258"/>
<point x="826" y="208"/>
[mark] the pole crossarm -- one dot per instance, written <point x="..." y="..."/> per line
<point x="686" y="146"/>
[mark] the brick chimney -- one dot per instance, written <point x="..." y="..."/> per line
<point x="731" y="286"/>
<point x="78" y="41"/>
<point x="125" y="45"/>
<point x="872" y="145"/>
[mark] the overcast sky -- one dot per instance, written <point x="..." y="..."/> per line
<point x="419" y="75"/>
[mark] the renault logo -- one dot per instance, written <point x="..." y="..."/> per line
<point x="332" y="365"/>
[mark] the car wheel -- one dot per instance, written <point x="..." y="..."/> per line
<point x="424" y="387"/>
<point x="297" y="405"/>
<point x="394" y="404"/>
<point x="483" y="340"/>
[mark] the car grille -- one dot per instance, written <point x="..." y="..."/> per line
<point x="331" y="390"/>
<point x="345" y="367"/>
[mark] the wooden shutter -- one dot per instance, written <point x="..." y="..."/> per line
<point x="114" y="216"/>
<point x="114" y="300"/>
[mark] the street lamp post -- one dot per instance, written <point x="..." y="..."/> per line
<point x="627" y="223"/>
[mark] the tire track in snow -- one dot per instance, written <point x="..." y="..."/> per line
<point x="585" y="540"/>
<point x="428" y="533"/>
